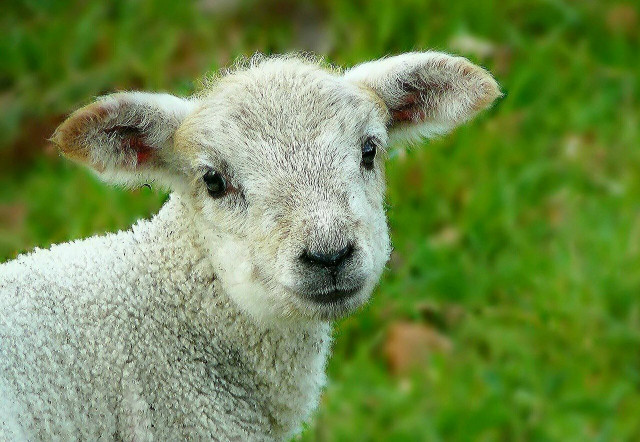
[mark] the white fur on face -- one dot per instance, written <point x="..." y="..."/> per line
<point x="288" y="137"/>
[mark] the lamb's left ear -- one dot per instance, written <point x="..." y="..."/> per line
<point x="427" y="93"/>
<point x="126" y="137"/>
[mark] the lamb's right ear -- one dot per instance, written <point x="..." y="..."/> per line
<point x="126" y="137"/>
<point x="426" y="93"/>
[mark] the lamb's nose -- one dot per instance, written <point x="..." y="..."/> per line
<point x="331" y="259"/>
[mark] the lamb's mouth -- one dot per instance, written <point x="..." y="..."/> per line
<point x="332" y="296"/>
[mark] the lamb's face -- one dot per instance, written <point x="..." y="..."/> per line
<point x="299" y="152"/>
<point x="282" y="164"/>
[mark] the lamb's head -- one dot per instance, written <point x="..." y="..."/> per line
<point x="282" y="164"/>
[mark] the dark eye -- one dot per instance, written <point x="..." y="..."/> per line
<point x="368" y="153"/>
<point x="216" y="184"/>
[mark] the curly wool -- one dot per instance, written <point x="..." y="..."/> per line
<point x="138" y="342"/>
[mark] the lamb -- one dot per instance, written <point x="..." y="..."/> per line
<point x="212" y="319"/>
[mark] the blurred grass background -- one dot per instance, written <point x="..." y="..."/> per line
<point x="511" y="308"/>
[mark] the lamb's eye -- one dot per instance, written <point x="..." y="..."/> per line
<point x="216" y="184"/>
<point x="368" y="153"/>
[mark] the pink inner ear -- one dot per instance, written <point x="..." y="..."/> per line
<point x="132" y="139"/>
<point x="142" y="150"/>
<point x="420" y="100"/>
<point x="410" y="110"/>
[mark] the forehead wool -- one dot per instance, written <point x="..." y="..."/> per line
<point x="281" y="102"/>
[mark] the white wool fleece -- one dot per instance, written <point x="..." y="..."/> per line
<point x="141" y="329"/>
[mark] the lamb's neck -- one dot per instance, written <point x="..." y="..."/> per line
<point x="286" y="357"/>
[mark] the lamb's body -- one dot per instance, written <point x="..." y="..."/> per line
<point x="138" y="340"/>
<point x="210" y="321"/>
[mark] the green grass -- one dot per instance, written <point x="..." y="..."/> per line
<point x="517" y="237"/>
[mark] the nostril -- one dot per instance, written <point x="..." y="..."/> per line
<point x="341" y="255"/>
<point x="332" y="259"/>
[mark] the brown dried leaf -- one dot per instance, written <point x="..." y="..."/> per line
<point x="409" y="345"/>
<point x="623" y="18"/>
<point x="13" y="216"/>
<point x="448" y="236"/>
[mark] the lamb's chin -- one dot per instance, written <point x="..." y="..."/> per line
<point x="333" y="305"/>
<point x="279" y="306"/>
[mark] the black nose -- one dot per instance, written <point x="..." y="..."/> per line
<point x="332" y="259"/>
